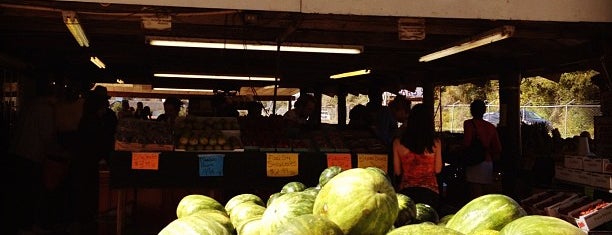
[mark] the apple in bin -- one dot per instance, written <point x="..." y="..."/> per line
<point x="194" y="141"/>
<point x="221" y="140"/>
<point x="184" y="140"/>
<point x="203" y="140"/>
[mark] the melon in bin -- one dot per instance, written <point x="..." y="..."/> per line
<point x="194" y="202"/>
<point x="286" y="206"/>
<point x="491" y="211"/>
<point x="359" y="201"/>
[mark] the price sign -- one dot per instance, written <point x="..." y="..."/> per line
<point x="145" y="160"/>
<point x="281" y="164"/>
<point x="211" y="164"/>
<point x="343" y="160"/>
<point x="372" y="160"/>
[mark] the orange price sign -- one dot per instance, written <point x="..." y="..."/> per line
<point x="281" y="164"/>
<point x="372" y="160"/>
<point x="145" y="160"/>
<point x="343" y="160"/>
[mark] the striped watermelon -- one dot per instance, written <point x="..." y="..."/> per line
<point x="309" y="224"/>
<point x="194" y="202"/>
<point x="492" y="211"/>
<point x="286" y="206"/>
<point x="360" y="201"/>
<point x="540" y="225"/>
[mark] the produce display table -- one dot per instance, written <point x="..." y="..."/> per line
<point x="240" y="171"/>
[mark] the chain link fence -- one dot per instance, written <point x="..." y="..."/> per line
<point x="570" y="119"/>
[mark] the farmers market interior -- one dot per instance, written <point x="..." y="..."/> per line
<point x="116" y="49"/>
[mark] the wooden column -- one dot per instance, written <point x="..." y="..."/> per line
<point x="509" y="128"/>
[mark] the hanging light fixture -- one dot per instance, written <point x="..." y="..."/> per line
<point x="75" y="28"/>
<point x="241" y="45"/>
<point x="473" y="42"/>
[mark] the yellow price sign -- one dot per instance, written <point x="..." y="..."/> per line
<point x="145" y="160"/>
<point x="372" y="160"/>
<point x="281" y="164"/>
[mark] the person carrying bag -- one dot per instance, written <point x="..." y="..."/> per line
<point x="482" y="146"/>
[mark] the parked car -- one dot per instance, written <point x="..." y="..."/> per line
<point x="527" y="116"/>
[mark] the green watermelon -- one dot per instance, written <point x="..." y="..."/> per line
<point x="540" y="225"/>
<point x="293" y="187"/>
<point x="216" y="215"/>
<point x="242" y="198"/>
<point x="423" y="228"/>
<point x="486" y="232"/>
<point x="273" y="197"/>
<point x="491" y="211"/>
<point x="426" y="213"/>
<point x="194" y="202"/>
<point x="250" y="226"/>
<point x="407" y="210"/>
<point x="284" y="207"/>
<point x="244" y="212"/>
<point x="445" y="219"/>
<point x="327" y="174"/>
<point x="309" y="224"/>
<point x="194" y="225"/>
<point x="312" y="190"/>
<point x="359" y="201"/>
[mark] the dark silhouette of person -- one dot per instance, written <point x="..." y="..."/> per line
<point x="84" y="179"/>
<point x="254" y="109"/>
<point x="358" y="118"/>
<point x="146" y="113"/>
<point x="380" y="118"/>
<point x="172" y="107"/>
<point x="480" y="177"/>
<point x="33" y="143"/>
<point x="139" y="111"/>
<point x="300" y="114"/>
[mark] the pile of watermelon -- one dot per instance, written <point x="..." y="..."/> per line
<point x="353" y="201"/>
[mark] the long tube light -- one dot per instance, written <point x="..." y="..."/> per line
<point x="72" y="22"/>
<point x="95" y="60"/>
<point x="182" y="90"/>
<point x="476" y="41"/>
<point x="350" y="74"/>
<point x="218" y="77"/>
<point x="241" y="45"/>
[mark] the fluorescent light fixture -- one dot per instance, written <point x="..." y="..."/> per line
<point x="350" y="74"/>
<point x="183" y="90"/>
<point x="72" y="22"/>
<point x="97" y="62"/>
<point x="473" y="42"/>
<point x="218" y="77"/>
<point x="242" y="45"/>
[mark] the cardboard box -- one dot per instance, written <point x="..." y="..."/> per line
<point x="606" y="165"/>
<point x="578" y="176"/>
<point x="592" y="164"/>
<point x="562" y="173"/>
<point x="573" y="162"/>
<point x="594" y="219"/>
<point x="600" y="180"/>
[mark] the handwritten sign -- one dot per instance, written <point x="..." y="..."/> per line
<point x="145" y="160"/>
<point x="211" y="164"/>
<point x="343" y="160"/>
<point x="281" y="164"/>
<point x="372" y="160"/>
